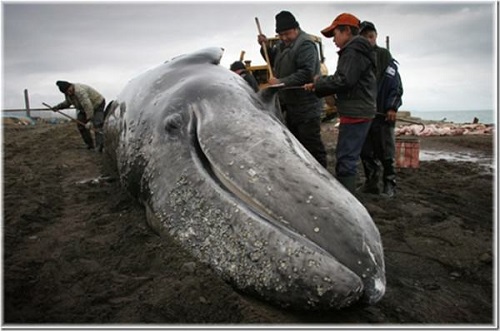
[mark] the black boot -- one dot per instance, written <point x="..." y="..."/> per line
<point x="372" y="174"/>
<point x="99" y="141"/>
<point x="389" y="188"/>
<point x="389" y="178"/>
<point x="349" y="183"/>
<point x="86" y="136"/>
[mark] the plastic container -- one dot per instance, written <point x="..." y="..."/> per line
<point x="407" y="152"/>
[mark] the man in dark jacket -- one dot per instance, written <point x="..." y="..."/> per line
<point x="239" y="68"/>
<point x="295" y="62"/>
<point x="380" y="144"/>
<point x="354" y="85"/>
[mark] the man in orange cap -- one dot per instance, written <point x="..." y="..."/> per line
<point x="354" y="86"/>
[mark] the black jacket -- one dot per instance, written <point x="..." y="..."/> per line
<point x="384" y="58"/>
<point x="296" y="65"/>
<point x="250" y="79"/>
<point x="354" y="82"/>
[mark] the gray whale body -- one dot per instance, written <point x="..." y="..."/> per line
<point x="217" y="171"/>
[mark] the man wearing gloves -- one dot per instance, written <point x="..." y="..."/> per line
<point x="90" y="107"/>
<point x="295" y="62"/>
<point x="355" y="88"/>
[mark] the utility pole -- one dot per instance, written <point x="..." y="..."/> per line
<point x="27" y="103"/>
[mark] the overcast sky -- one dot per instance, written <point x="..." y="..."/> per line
<point x="446" y="50"/>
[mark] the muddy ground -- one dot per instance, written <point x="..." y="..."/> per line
<point x="76" y="252"/>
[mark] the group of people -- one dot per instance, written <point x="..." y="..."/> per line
<point x="367" y="88"/>
<point x="366" y="85"/>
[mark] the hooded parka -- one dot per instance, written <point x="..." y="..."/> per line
<point x="354" y="82"/>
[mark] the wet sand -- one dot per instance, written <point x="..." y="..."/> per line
<point x="80" y="252"/>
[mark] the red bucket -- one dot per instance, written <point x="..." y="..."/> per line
<point x="407" y="152"/>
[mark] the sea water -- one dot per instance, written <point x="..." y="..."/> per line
<point x="457" y="116"/>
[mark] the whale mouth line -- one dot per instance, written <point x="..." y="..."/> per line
<point x="239" y="197"/>
<point x="222" y="180"/>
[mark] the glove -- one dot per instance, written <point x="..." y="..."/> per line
<point x="261" y="39"/>
<point x="88" y="125"/>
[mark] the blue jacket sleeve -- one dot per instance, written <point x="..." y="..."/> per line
<point x="391" y="89"/>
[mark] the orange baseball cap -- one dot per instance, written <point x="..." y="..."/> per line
<point x="342" y="19"/>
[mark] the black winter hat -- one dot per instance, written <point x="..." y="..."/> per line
<point x="285" y="21"/>
<point x="237" y="65"/>
<point x="366" y="26"/>
<point x="63" y="85"/>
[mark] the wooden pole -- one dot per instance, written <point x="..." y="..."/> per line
<point x="387" y="43"/>
<point x="264" y="46"/>
<point x="71" y="118"/>
<point x="27" y="103"/>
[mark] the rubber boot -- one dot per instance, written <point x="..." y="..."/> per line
<point x="99" y="141"/>
<point x="389" y="178"/>
<point x="372" y="174"/>
<point x="98" y="121"/>
<point x="86" y="136"/>
<point x="389" y="188"/>
<point x="349" y="183"/>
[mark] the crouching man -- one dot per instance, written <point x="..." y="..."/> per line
<point x="90" y="110"/>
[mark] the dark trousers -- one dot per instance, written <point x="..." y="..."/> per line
<point x="308" y="133"/>
<point x="349" y="144"/>
<point x="380" y="146"/>
<point x="98" y="123"/>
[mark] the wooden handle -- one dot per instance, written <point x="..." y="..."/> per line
<point x="258" y="25"/>
<point x="71" y="118"/>
<point x="264" y="46"/>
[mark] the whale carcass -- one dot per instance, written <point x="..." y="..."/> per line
<point x="217" y="171"/>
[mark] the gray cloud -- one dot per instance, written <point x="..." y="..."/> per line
<point x="446" y="49"/>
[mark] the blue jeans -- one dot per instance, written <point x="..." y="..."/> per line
<point x="350" y="142"/>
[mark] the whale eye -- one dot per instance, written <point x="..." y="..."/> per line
<point x="173" y="123"/>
